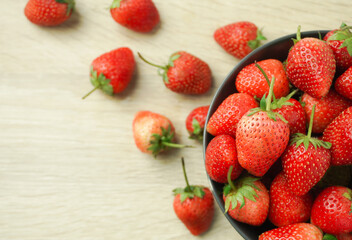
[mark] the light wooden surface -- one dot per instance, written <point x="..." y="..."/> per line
<point x="69" y="168"/>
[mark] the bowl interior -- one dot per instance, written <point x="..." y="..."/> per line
<point x="277" y="49"/>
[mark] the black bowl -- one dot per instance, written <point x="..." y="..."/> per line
<point x="277" y="49"/>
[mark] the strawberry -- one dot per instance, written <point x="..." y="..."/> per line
<point x="137" y="15"/>
<point x="251" y="80"/>
<point x="239" y="38"/>
<point x="185" y="73"/>
<point x="194" y="206"/>
<point x="246" y="200"/>
<point x="343" y="84"/>
<point x="261" y="137"/>
<point x="311" y="66"/>
<point x="305" y="161"/>
<point x="224" y="120"/>
<point x="285" y="207"/>
<point x="153" y="133"/>
<point x="49" y="12"/>
<point x="340" y="41"/>
<point x="332" y="210"/>
<point x="339" y="133"/>
<point x="327" y="109"/>
<point x="297" y="231"/>
<point x="195" y="122"/>
<point x="219" y="156"/>
<point x="112" y="71"/>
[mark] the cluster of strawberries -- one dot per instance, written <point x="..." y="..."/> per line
<point x="264" y="145"/>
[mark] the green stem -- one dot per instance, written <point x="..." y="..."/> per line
<point x="185" y="174"/>
<point x="85" y="96"/>
<point x="311" y="122"/>
<point x="263" y="72"/>
<point x="229" y="178"/>
<point x="152" y="64"/>
<point x="175" y="145"/>
<point x="270" y="95"/>
<point x="299" y="33"/>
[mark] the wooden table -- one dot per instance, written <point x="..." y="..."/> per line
<point x="69" y="169"/>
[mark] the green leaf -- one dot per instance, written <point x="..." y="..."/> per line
<point x="115" y="4"/>
<point x="343" y="25"/>
<point x="263" y="102"/>
<point x="70" y="5"/>
<point x="227" y="189"/>
<point x="172" y="59"/>
<point x="329" y="237"/>
<point x="156" y="142"/>
<point x="227" y="204"/>
<point x="253" y="44"/>
<point x="198" y="192"/>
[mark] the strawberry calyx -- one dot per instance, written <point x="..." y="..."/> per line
<point x="70" y="5"/>
<point x="115" y="4"/>
<point x="298" y="35"/>
<point x="162" y="70"/>
<point x="197" y="133"/>
<point x="299" y="138"/>
<point x="189" y="191"/>
<point x="253" y="44"/>
<point x="348" y="195"/>
<point x="329" y="237"/>
<point x="237" y="191"/>
<point x="343" y="34"/>
<point x="164" y="141"/>
<point x="99" y="81"/>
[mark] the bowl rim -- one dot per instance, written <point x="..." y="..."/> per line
<point x="211" y="110"/>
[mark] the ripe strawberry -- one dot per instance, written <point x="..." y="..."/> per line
<point x="332" y="210"/>
<point x="239" y="39"/>
<point x="327" y="109"/>
<point x="185" y="73"/>
<point x="224" y="120"/>
<point x="340" y="41"/>
<point x="195" y="122"/>
<point x="251" y="80"/>
<point x="219" y="156"/>
<point x="311" y="66"/>
<point x="261" y="137"/>
<point x="297" y="231"/>
<point x="339" y="134"/>
<point x="137" y="15"/>
<point x="153" y="133"/>
<point x="246" y="200"/>
<point x="112" y="71"/>
<point x="49" y="12"/>
<point x="305" y="161"/>
<point x="194" y="206"/>
<point x="285" y="207"/>
<point x="343" y="84"/>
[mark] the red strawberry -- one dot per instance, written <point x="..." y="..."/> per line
<point x="305" y="161"/>
<point x="327" y="109"/>
<point x="219" y="156"/>
<point x="185" y="73"/>
<point x="285" y="207"/>
<point x="112" y="71"/>
<point x="339" y="133"/>
<point x="224" y="120"/>
<point x="261" y="137"/>
<point x="153" y="133"/>
<point x="311" y="66"/>
<point x="298" y="231"/>
<point x="194" y="206"/>
<point x="49" y="12"/>
<point x="239" y="39"/>
<point x="340" y="41"/>
<point x="251" y="80"/>
<point x="246" y="200"/>
<point x="137" y="15"/>
<point x="332" y="210"/>
<point x="344" y="236"/>
<point x="195" y="122"/>
<point x="343" y="84"/>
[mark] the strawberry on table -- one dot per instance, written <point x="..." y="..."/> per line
<point x="49" y="12"/>
<point x="339" y="134"/>
<point x="184" y="73"/>
<point x="285" y="207"/>
<point x="311" y="66"/>
<point x="226" y="117"/>
<point x="343" y="84"/>
<point x="251" y="80"/>
<point x="239" y="38"/>
<point x="219" y="156"/>
<point x="305" y="161"/>
<point x="332" y="210"/>
<point x="112" y="71"/>
<point x="137" y="15"/>
<point x="297" y="231"/>
<point x="153" y="133"/>
<point x="246" y="200"/>
<point x="195" y="122"/>
<point x="194" y="206"/>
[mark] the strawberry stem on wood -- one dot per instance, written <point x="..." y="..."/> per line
<point x="188" y="187"/>
<point x="85" y="96"/>
<point x="150" y="63"/>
